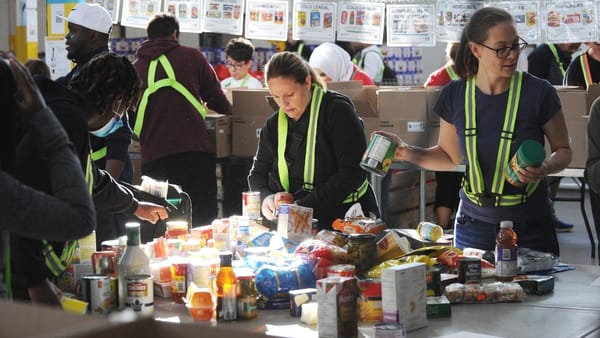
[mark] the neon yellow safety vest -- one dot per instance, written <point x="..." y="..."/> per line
<point x="57" y="265"/>
<point x="300" y="48"/>
<point x="451" y="73"/>
<point x="309" y="156"/>
<point x="361" y="64"/>
<point x="154" y="86"/>
<point x="98" y="154"/>
<point x="473" y="184"/>
<point x="243" y="84"/>
<point x="585" y="69"/>
<point x="557" y="58"/>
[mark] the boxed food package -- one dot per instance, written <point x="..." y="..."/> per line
<point x="294" y="222"/>
<point x="392" y="245"/>
<point x="404" y="296"/>
<point x="438" y="307"/>
<point x="535" y="284"/>
<point x="337" y="307"/>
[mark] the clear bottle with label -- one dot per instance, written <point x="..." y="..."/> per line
<point x="134" y="260"/>
<point x="506" y="252"/>
<point x="226" y="282"/>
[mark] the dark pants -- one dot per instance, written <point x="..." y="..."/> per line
<point x="235" y="181"/>
<point x="538" y="234"/>
<point x="195" y="172"/>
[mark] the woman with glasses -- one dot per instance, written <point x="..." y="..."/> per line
<point x="311" y="147"/>
<point x="485" y="117"/>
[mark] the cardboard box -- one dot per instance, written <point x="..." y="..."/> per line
<point x="432" y="94"/>
<point x="337" y="307"/>
<point x="577" y="101"/>
<point x="252" y="102"/>
<point x="340" y="86"/>
<point x="413" y="132"/>
<point x="408" y="198"/>
<point x="407" y="103"/>
<point x="404" y="296"/>
<point x="438" y="307"/>
<point x="245" y="132"/>
<point x="577" y="129"/>
<point x="219" y="129"/>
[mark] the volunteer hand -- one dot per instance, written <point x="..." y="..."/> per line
<point x="268" y="207"/>
<point x="532" y="174"/>
<point x="151" y="212"/>
<point x="401" y="146"/>
<point x="29" y="98"/>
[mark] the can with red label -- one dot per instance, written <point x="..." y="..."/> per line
<point x="369" y="300"/>
<point x="95" y="290"/>
<point x="251" y="204"/>
<point x="140" y="294"/>
<point x="341" y="270"/>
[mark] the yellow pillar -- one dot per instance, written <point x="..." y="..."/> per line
<point x="26" y="32"/>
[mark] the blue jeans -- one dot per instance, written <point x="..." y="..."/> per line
<point x="538" y="234"/>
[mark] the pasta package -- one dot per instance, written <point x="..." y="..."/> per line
<point x="295" y="221"/>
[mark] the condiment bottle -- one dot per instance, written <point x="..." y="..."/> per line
<point x="362" y="252"/>
<point x="134" y="260"/>
<point x="506" y="252"/>
<point x="226" y="289"/>
<point x="246" y="297"/>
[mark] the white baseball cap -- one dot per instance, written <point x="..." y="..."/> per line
<point x="91" y="16"/>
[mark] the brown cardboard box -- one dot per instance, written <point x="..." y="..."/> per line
<point x="413" y="132"/>
<point x="433" y="134"/>
<point x="409" y="103"/>
<point x="219" y="129"/>
<point x="432" y="94"/>
<point x="408" y="198"/>
<point x="577" y="101"/>
<point x="577" y="127"/>
<point x="245" y="133"/>
<point x="340" y="86"/>
<point x="251" y="102"/>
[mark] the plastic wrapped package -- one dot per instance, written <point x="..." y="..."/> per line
<point x="277" y="281"/>
<point x="486" y="293"/>
<point x="531" y="260"/>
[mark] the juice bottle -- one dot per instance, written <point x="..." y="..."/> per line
<point x="226" y="289"/>
<point x="506" y="252"/>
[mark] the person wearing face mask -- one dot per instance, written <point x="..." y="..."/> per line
<point x="95" y="100"/>
<point x="89" y="30"/>
<point x="475" y="112"/>
<point x="311" y="147"/>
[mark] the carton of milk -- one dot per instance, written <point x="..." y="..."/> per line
<point x="404" y="295"/>
<point x="337" y="307"/>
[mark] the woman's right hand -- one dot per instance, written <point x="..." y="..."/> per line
<point x="29" y="98"/>
<point x="401" y="146"/>
<point x="268" y="207"/>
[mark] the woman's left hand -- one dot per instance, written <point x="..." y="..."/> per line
<point x="532" y="174"/>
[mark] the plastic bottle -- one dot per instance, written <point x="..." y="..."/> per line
<point x="430" y="231"/>
<point x="226" y="289"/>
<point x="134" y="260"/>
<point x="506" y="252"/>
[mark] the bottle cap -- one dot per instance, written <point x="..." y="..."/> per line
<point x="532" y="152"/>
<point x="225" y="257"/>
<point x="506" y="224"/>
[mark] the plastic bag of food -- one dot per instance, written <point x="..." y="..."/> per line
<point x="277" y="281"/>
<point x="531" y="260"/>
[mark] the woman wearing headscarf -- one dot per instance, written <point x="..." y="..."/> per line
<point x="333" y="64"/>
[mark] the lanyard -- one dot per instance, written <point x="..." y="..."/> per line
<point x="556" y="58"/>
<point x="585" y="69"/>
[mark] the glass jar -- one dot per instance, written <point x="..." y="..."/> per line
<point x="246" y="297"/>
<point x="362" y="252"/>
<point x="177" y="230"/>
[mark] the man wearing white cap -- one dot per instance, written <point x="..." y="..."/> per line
<point x="89" y="31"/>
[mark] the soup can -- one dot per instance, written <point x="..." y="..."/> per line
<point x="251" y="204"/>
<point x="140" y="294"/>
<point x="469" y="270"/>
<point x="530" y="153"/>
<point x="95" y="290"/>
<point x="379" y="155"/>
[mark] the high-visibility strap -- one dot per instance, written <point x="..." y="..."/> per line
<point x="309" y="156"/>
<point x="585" y="69"/>
<point x="89" y="175"/>
<point x="361" y="64"/>
<point x="57" y="265"/>
<point x="99" y="154"/>
<point x="451" y="73"/>
<point x="153" y="86"/>
<point x="557" y="58"/>
<point x="474" y="182"/>
<point x="300" y="49"/>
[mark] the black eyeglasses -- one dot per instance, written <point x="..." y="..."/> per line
<point x="504" y="52"/>
<point x="236" y="65"/>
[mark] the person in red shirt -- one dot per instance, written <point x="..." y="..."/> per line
<point x="447" y="182"/>
<point x="333" y="64"/>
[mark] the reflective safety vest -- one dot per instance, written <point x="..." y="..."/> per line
<point x="300" y="49"/>
<point x="451" y="73"/>
<point x="57" y="265"/>
<point x="361" y="64"/>
<point x="243" y="84"/>
<point x="309" y="156"/>
<point x="98" y="154"/>
<point x="153" y="86"/>
<point x="557" y="58"/>
<point x="473" y="184"/>
<point x="585" y="69"/>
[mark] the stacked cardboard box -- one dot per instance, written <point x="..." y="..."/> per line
<point x="251" y="108"/>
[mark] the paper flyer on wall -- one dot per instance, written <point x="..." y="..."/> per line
<point x="452" y="16"/>
<point x="573" y="20"/>
<point x="526" y="15"/>
<point x="314" y="20"/>
<point x="361" y="22"/>
<point x="137" y="13"/>
<point x="56" y="57"/>
<point x="223" y="16"/>
<point x="266" y="20"/>
<point x="410" y="25"/>
<point x="112" y="6"/>
<point x="187" y="12"/>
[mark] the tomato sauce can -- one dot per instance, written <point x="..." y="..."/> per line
<point x="379" y="155"/>
<point x="95" y="290"/>
<point x="140" y="294"/>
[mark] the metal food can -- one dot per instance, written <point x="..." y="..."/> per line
<point x="379" y="155"/>
<point x="369" y="300"/>
<point x="251" y="204"/>
<point x="397" y="330"/>
<point x="140" y="294"/>
<point x="341" y="270"/>
<point x="469" y="270"/>
<point x="530" y="153"/>
<point x="95" y="290"/>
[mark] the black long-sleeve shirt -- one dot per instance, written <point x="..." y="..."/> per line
<point x="339" y="148"/>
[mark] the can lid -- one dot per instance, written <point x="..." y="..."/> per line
<point x="361" y="236"/>
<point x="532" y="152"/>
<point x="506" y="224"/>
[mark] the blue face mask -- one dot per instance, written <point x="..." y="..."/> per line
<point x="109" y="128"/>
